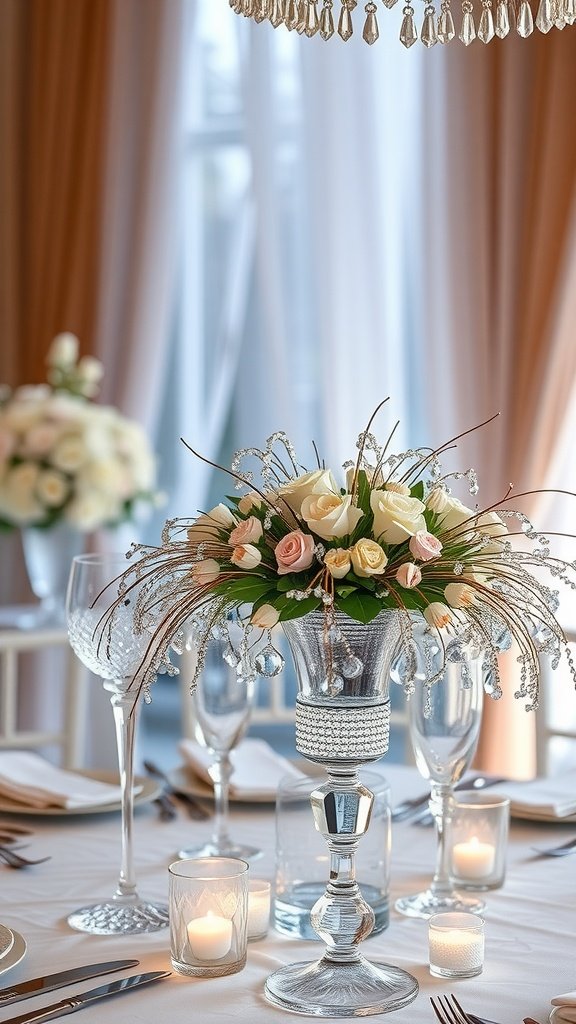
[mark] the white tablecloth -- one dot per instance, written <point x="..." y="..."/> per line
<point x="530" y="923"/>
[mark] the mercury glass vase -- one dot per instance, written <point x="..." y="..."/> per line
<point x="342" y="723"/>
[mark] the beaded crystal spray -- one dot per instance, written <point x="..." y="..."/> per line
<point x="394" y="537"/>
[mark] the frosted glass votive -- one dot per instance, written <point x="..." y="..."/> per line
<point x="258" y="909"/>
<point x="479" y="840"/>
<point x="208" y="904"/>
<point x="456" y="943"/>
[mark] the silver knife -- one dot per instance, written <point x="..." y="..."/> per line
<point x="37" y="986"/>
<point x="82" y="999"/>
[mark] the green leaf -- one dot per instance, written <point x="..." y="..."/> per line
<point x="418" y="490"/>
<point x="289" y="608"/>
<point x="291" y="582"/>
<point x="360" y="606"/>
<point x="366" y="582"/>
<point x="244" y="589"/>
<point x="343" y="590"/>
<point x="363" y="492"/>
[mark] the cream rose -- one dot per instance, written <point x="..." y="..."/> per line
<point x="205" y="572"/>
<point x="454" y="513"/>
<point x="409" y="575"/>
<point x="207" y="526"/>
<point x="459" y="595"/>
<point x="396" y="516"/>
<point x="18" y="499"/>
<point x="397" y="488"/>
<point x="52" y="487"/>
<point x="69" y="453"/>
<point x="294" y="552"/>
<point x="491" y="524"/>
<point x="368" y="558"/>
<point x="246" y="556"/>
<point x="250" y="500"/>
<point x="438" y="614"/>
<point x="425" y="546"/>
<point x="375" y="479"/>
<point x="64" y="350"/>
<point x="337" y="561"/>
<point x="265" y="617"/>
<point x="330" y="515"/>
<point x="249" y="531"/>
<point x="438" y="500"/>
<point x="320" y="481"/>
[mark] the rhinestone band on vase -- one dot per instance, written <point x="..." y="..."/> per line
<point x="340" y="733"/>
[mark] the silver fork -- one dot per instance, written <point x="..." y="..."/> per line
<point x="448" y="1010"/>
<point x="16" y="860"/>
<point x="556" y="851"/>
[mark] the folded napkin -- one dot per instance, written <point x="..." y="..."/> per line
<point x="257" y="767"/>
<point x="564" y="1008"/>
<point x="546" y="798"/>
<point x="30" y="780"/>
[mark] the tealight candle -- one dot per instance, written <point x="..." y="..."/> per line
<point x="456" y="945"/>
<point x="474" y="859"/>
<point x="258" y="908"/>
<point x="210" y="937"/>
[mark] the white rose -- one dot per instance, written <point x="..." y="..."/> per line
<point x="397" y="488"/>
<point x="438" y="500"/>
<point x="7" y="444"/>
<point x="320" y="481"/>
<point x="91" y="509"/>
<point x="374" y="479"/>
<point x="368" y="558"/>
<point x="453" y="513"/>
<point x="107" y="476"/>
<point x="69" y="453"/>
<point x="64" y="350"/>
<point x="205" y="572"/>
<point x="338" y="563"/>
<point x="246" y="556"/>
<point x="396" y="516"/>
<point x="459" y="595"/>
<point x="330" y="515"/>
<point x="52" y="488"/>
<point x="18" y="499"/>
<point x="438" y="615"/>
<point x="491" y="524"/>
<point x="206" y="527"/>
<point x="265" y="617"/>
<point x="90" y="370"/>
<point x="40" y="439"/>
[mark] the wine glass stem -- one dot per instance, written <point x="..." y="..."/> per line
<point x="221" y="772"/>
<point x="441" y="805"/>
<point x="125" y="711"/>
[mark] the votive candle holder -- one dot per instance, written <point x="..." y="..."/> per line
<point x="479" y="840"/>
<point x="208" y="906"/>
<point x="456" y="945"/>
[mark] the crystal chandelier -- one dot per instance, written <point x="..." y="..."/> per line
<point x="496" y="18"/>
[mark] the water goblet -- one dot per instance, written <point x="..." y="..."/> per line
<point x="444" y="723"/>
<point x="107" y="644"/>
<point x="222" y="705"/>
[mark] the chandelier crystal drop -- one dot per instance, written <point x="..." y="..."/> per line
<point x="482" y="20"/>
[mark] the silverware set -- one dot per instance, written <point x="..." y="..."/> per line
<point x="171" y="796"/>
<point x="9" y="836"/>
<point x="449" y="1011"/>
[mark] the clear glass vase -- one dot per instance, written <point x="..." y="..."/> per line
<point x="48" y="554"/>
<point x="342" y="723"/>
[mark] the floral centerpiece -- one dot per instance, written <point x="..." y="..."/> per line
<point x="64" y="458"/>
<point x="392" y="537"/>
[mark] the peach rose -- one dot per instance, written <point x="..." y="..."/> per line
<point x="294" y="552"/>
<point x="330" y="515"/>
<point x="396" y="516"/>
<point x="459" y="595"/>
<point x="409" y="575"/>
<point x="438" y="614"/>
<point x="368" y="558"/>
<point x="320" y="481"/>
<point x="205" y="572"/>
<point x="247" y="532"/>
<point x="265" y="617"/>
<point x="250" y="500"/>
<point x="246" y="556"/>
<point x="337" y="561"/>
<point x="425" y="546"/>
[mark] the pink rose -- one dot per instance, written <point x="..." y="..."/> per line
<point x="409" y="575"/>
<point x="248" y="532"/>
<point x="294" y="552"/>
<point x="425" y="546"/>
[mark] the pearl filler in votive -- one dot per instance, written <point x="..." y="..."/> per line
<point x="208" y="905"/>
<point x="456" y="944"/>
<point x="258" y="909"/>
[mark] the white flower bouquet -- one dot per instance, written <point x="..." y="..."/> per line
<point x="65" y="458"/>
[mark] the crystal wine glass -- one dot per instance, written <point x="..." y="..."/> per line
<point x="113" y="654"/>
<point x="222" y="705"/>
<point x="444" y="721"/>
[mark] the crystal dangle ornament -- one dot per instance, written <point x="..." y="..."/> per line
<point x="277" y="13"/>
<point x="468" y="30"/>
<point x="545" y="16"/>
<point x="525" y="22"/>
<point x="291" y="15"/>
<point x="327" y="20"/>
<point x="502" y="27"/>
<point x="370" y="33"/>
<point x="446" y="29"/>
<point x="345" y="27"/>
<point x="269" y="662"/>
<point x="262" y="10"/>
<point x="429" y="35"/>
<point x="486" y="26"/>
<point x="569" y="11"/>
<point x="389" y="3"/>
<point x="312" y="19"/>
<point x="302" y="16"/>
<point x="408" y="31"/>
<point x="248" y="7"/>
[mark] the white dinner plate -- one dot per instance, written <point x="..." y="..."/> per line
<point x="150" y="789"/>
<point x="524" y="814"/>
<point x="15" y="955"/>
<point x="6" y="940"/>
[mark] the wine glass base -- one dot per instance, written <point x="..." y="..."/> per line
<point x="425" y="904"/>
<point x="326" y="989"/>
<point x="120" y="918"/>
<point x="235" y="850"/>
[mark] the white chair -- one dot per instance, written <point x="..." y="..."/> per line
<point x="556" y="716"/>
<point x="50" y="661"/>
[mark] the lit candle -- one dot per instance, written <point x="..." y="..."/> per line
<point x="210" y="937"/>
<point x="473" y="859"/>
<point x="258" y="908"/>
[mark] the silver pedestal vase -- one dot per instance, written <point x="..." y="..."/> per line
<point x="48" y="555"/>
<point x="342" y="723"/>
